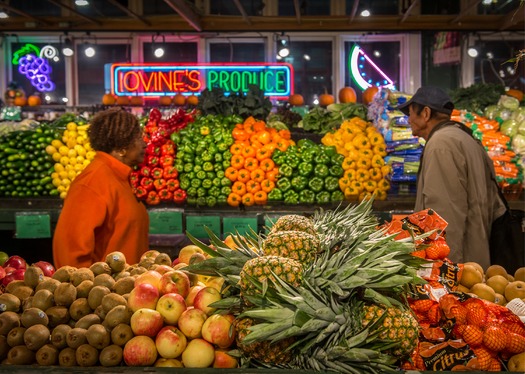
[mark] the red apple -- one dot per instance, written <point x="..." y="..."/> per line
<point x="175" y="262"/>
<point x="144" y="295"/>
<point x="168" y="363"/>
<point x="151" y="277"/>
<point x="2" y="273"/>
<point x="13" y="275"/>
<point x="171" y="306"/>
<point x="170" y="342"/>
<point x="191" y="322"/>
<point x="198" y="354"/>
<point x="175" y="281"/>
<point x="152" y="253"/>
<point x="47" y="268"/>
<point x="186" y="252"/>
<point x="191" y="295"/>
<point x="218" y="330"/>
<point x="163" y="269"/>
<point x="224" y="360"/>
<point x="146" y="322"/>
<point x="16" y="262"/>
<point x="140" y="351"/>
<point x="206" y="297"/>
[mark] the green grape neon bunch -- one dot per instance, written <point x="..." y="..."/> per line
<point x="33" y="63"/>
<point x="357" y="61"/>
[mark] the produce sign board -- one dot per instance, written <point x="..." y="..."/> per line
<point x="239" y="225"/>
<point x="32" y="225"/>
<point x="196" y="225"/>
<point x="154" y="80"/>
<point x="165" y="222"/>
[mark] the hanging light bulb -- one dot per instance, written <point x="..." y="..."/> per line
<point x="67" y="50"/>
<point x="89" y="51"/>
<point x="472" y="52"/>
<point x="283" y="49"/>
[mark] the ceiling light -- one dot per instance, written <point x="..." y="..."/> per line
<point x="307" y="57"/>
<point x="159" y="52"/>
<point x="377" y="53"/>
<point x="472" y="52"/>
<point x="67" y="50"/>
<point x="4" y="15"/>
<point x="89" y="51"/>
<point x="283" y="45"/>
<point x="486" y="2"/>
<point x="365" y="13"/>
<point x="81" y="2"/>
<point x="490" y="55"/>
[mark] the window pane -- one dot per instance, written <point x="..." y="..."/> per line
<point x="228" y="7"/>
<point x="307" y="8"/>
<point x="445" y="76"/>
<point x="173" y="52"/>
<point x="312" y="63"/>
<point x="102" y="8"/>
<point x="36" y="8"/>
<point x="91" y="70"/>
<point x="440" y="7"/>
<point x="237" y="52"/>
<point x="46" y="76"/>
<point x="154" y="7"/>
<point x="384" y="55"/>
<point x="375" y="7"/>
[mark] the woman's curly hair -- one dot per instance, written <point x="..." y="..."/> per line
<point x="113" y="129"/>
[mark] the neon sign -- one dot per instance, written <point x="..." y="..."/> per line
<point x="154" y="80"/>
<point x="357" y="61"/>
<point x="38" y="71"/>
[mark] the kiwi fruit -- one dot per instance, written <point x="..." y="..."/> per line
<point x="83" y="288"/>
<point x="20" y="355"/>
<point x="116" y="261"/>
<point x="33" y="276"/>
<point x="117" y="315"/>
<point x="43" y="299"/>
<point x="111" y="300"/>
<point x="57" y="315"/>
<point x="48" y="284"/>
<point x="87" y="321"/>
<point x="13" y="285"/>
<point x="110" y="356"/>
<point x="100" y="267"/>
<point x="97" y="336"/>
<point x="163" y="259"/>
<point x="138" y="270"/>
<point x="27" y="303"/>
<point x="23" y="292"/>
<point x="8" y="321"/>
<point x="146" y="262"/>
<point x="16" y="336"/>
<point x="121" y="334"/>
<point x="105" y="280"/>
<point x="100" y="312"/>
<point x="65" y="294"/>
<point x="67" y="357"/>
<point x="124" y="285"/>
<point x="122" y="274"/>
<point x="86" y="355"/>
<point x="4" y="347"/>
<point x="76" y="337"/>
<point x="47" y="355"/>
<point x="63" y="274"/>
<point x="36" y="336"/>
<point x="9" y="303"/>
<point x="79" y="308"/>
<point x="58" y="336"/>
<point x="80" y="275"/>
<point x="96" y="294"/>
<point x="34" y="316"/>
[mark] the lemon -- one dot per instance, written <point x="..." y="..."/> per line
<point x="88" y="146"/>
<point x="81" y="151"/>
<point x="63" y="150"/>
<point x="64" y="160"/>
<point x="56" y="156"/>
<point x="80" y="167"/>
<point x="86" y="163"/>
<point x="63" y="194"/>
<point x="71" y="174"/>
<point x="58" y="167"/>
<point x="72" y="153"/>
<point x="50" y="150"/>
<point x="56" y="182"/>
<point x="69" y="167"/>
<point x="65" y="134"/>
<point x="80" y="159"/>
<point x="65" y="182"/>
<point x="90" y="155"/>
<point x="61" y="188"/>
<point x="63" y="174"/>
<point x="54" y="175"/>
<point x="71" y="126"/>
<point x="81" y="139"/>
<point x="73" y="161"/>
<point x="71" y="142"/>
<point x="56" y="143"/>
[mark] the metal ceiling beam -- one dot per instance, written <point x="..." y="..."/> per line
<point x="513" y="17"/>
<point x="297" y="8"/>
<point x="58" y="3"/>
<point x="21" y="13"/>
<point x="409" y="10"/>
<point x="243" y="12"/>
<point x="354" y="11"/>
<point x="185" y="12"/>
<point x="129" y="12"/>
<point x="466" y="11"/>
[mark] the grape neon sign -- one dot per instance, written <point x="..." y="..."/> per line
<point x="34" y="65"/>
<point x="357" y="61"/>
<point x="154" y="80"/>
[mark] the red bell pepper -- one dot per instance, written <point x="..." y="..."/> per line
<point x="166" y="160"/>
<point x="172" y="184"/>
<point x="152" y="149"/>
<point x="155" y="115"/>
<point x="170" y="172"/>
<point x="157" y="173"/>
<point x="134" y="178"/>
<point x="153" y="160"/>
<point x="153" y="198"/>
<point x="179" y="196"/>
<point x="159" y="184"/>
<point x="168" y="148"/>
<point x="165" y="195"/>
<point x="147" y="183"/>
<point x="145" y="171"/>
<point x="140" y="192"/>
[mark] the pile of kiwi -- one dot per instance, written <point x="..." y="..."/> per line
<point x="77" y="317"/>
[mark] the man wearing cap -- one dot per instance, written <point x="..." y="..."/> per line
<point x="455" y="177"/>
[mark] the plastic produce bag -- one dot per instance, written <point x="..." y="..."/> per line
<point x="518" y="143"/>
<point x="509" y="127"/>
<point x="509" y="102"/>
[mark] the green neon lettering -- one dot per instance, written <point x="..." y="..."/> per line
<point x="246" y="80"/>
<point x="235" y="81"/>
<point x="280" y="81"/>
<point x="213" y="77"/>
<point x="268" y="78"/>
<point x="223" y="80"/>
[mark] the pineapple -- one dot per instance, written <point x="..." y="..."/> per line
<point x="294" y="222"/>
<point x="298" y="245"/>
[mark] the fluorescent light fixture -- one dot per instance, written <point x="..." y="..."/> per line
<point x="472" y="52"/>
<point x="81" y="2"/>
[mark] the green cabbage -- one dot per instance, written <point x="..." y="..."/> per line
<point x="491" y="112"/>
<point x="518" y="143"/>
<point x="509" y="127"/>
<point x="509" y="102"/>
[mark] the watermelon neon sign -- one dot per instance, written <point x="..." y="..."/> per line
<point x="357" y="60"/>
<point x="154" y="80"/>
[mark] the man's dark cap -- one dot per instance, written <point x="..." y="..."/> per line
<point x="433" y="97"/>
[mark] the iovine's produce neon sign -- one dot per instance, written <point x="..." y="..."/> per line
<point x="154" y="80"/>
<point x="357" y="61"/>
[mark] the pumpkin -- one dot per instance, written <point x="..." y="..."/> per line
<point x="179" y="100"/>
<point x="136" y="101"/>
<point x="296" y="100"/>
<point x="108" y="99"/>
<point x="192" y="100"/>
<point x="122" y="100"/>
<point x="34" y="100"/>
<point x="515" y="93"/>
<point x="347" y="95"/>
<point x="326" y="99"/>
<point x="165" y="100"/>
<point x="368" y="94"/>
<point x="20" y="101"/>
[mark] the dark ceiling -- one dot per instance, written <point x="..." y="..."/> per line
<point x="261" y="15"/>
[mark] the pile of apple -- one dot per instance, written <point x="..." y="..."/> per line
<point x="14" y="267"/>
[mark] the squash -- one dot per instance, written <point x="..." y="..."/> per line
<point x="179" y="100"/>
<point x="369" y="93"/>
<point x="347" y="95"/>
<point x="164" y="100"/>
<point x="296" y="100"/>
<point x="192" y="100"/>
<point x="326" y="99"/>
<point x="20" y="101"/>
<point x="108" y="99"/>
<point x="122" y="100"/>
<point x="515" y="93"/>
<point x="34" y="100"/>
<point x="136" y="101"/>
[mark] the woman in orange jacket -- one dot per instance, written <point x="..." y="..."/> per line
<point x="101" y="214"/>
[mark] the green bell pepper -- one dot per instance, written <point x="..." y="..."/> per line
<point x="219" y="174"/>
<point x="285" y="170"/>
<point x="188" y="167"/>
<point x="330" y="150"/>
<point x="201" y="174"/>
<point x="222" y="199"/>
<point x="214" y="191"/>
<point x="196" y="182"/>
<point x="336" y="171"/>
<point x="201" y="201"/>
<point x="207" y="166"/>
<point x="226" y="190"/>
<point x="337" y="196"/>
<point x="291" y="197"/>
<point x="299" y="183"/>
<point x="216" y="182"/>
<point x="284" y="184"/>
<point x="322" y="197"/>
<point x="306" y="197"/>
<point x="322" y="158"/>
<point x="305" y="169"/>
<point x="331" y="183"/>
<point x="305" y="143"/>
<point x="226" y="182"/>
<point x="292" y="160"/>
<point x="275" y="195"/>
<point x="218" y="157"/>
<point x="337" y="159"/>
<point x="321" y="170"/>
<point x="278" y="156"/>
<point x="191" y="200"/>
<point x="227" y="155"/>
<point x="207" y="183"/>
<point x="201" y="192"/>
<point x="192" y="191"/>
<point x="316" y="184"/>
<point x="206" y="156"/>
<point x="211" y="201"/>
